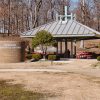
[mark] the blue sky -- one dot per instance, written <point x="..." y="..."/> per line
<point x="74" y="5"/>
<point x="75" y="0"/>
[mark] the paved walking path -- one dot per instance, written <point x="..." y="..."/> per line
<point x="71" y="66"/>
<point x="31" y="70"/>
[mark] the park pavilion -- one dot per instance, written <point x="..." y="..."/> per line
<point x="65" y="29"/>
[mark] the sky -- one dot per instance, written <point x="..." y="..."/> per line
<point x="75" y="0"/>
<point x="74" y="4"/>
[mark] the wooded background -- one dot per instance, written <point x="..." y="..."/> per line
<point x="17" y="16"/>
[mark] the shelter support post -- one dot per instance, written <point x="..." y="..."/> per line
<point x="61" y="47"/>
<point x="57" y="48"/>
<point x="74" y="48"/>
<point x="82" y="44"/>
<point x="66" y="47"/>
<point x="71" y="49"/>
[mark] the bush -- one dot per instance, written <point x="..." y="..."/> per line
<point x="52" y="57"/>
<point x="36" y="56"/>
<point x="98" y="58"/>
<point x="58" y="57"/>
<point x="29" y="56"/>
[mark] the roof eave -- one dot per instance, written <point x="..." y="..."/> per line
<point x="86" y="35"/>
<point x="90" y="35"/>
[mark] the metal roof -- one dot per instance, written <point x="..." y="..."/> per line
<point x="69" y="28"/>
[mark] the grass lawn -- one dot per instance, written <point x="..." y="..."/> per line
<point x="9" y="91"/>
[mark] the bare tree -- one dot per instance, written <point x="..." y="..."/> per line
<point x="89" y="13"/>
<point x="17" y="16"/>
<point x="97" y="13"/>
<point x="38" y="4"/>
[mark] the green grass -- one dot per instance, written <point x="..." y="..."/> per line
<point x="9" y="91"/>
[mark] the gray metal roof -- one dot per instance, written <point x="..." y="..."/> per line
<point x="69" y="28"/>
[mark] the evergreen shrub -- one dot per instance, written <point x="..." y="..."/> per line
<point x="36" y="56"/>
<point x="98" y="58"/>
<point x="52" y="57"/>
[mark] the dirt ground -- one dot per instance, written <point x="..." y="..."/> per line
<point x="79" y="81"/>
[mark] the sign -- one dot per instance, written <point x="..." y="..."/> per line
<point x="9" y="46"/>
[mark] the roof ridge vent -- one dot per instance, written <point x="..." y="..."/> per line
<point x="66" y="16"/>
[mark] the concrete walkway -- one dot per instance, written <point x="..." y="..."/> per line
<point x="31" y="70"/>
<point x="71" y="66"/>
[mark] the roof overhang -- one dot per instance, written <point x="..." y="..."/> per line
<point x="67" y="36"/>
